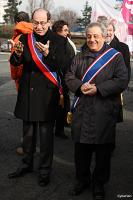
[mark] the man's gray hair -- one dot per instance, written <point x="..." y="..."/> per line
<point x="110" y="22"/>
<point x="96" y="24"/>
<point x="107" y="22"/>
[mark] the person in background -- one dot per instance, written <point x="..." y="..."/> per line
<point x="61" y="29"/>
<point x="123" y="48"/>
<point x="114" y="42"/>
<point x="22" y="26"/>
<point x="39" y="93"/>
<point x="97" y="76"/>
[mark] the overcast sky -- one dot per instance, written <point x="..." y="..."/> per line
<point x="76" y="5"/>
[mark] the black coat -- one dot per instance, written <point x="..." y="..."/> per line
<point x="95" y="117"/>
<point x="124" y="49"/>
<point x="38" y="97"/>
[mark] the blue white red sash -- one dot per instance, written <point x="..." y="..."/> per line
<point x="45" y="69"/>
<point x="95" y="68"/>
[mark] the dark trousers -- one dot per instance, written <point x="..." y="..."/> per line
<point x="60" y="120"/>
<point x="61" y="116"/>
<point x="83" y="158"/>
<point x="29" y="130"/>
<point x="46" y="145"/>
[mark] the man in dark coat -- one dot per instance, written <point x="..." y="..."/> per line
<point x="39" y="92"/>
<point x="114" y="42"/>
<point x="61" y="29"/>
<point x="96" y="83"/>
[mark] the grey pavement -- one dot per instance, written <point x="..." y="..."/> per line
<point x="26" y="188"/>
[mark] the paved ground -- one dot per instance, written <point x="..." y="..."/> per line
<point x="26" y="188"/>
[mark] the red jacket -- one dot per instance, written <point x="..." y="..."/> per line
<point x="20" y="28"/>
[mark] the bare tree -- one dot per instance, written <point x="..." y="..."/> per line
<point x="46" y="4"/>
<point x="68" y="15"/>
<point x="32" y="5"/>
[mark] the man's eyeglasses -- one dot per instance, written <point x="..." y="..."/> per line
<point x="36" y="23"/>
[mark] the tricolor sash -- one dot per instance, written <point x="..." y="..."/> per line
<point x="45" y="69"/>
<point x="95" y="68"/>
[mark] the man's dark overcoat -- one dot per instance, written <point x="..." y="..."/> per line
<point x="124" y="49"/>
<point x="38" y="97"/>
<point x="95" y="117"/>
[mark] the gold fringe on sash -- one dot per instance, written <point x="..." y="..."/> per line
<point x="69" y="117"/>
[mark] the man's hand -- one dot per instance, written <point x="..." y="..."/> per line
<point x="44" y="49"/>
<point x="88" y="89"/>
<point x="18" y="48"/>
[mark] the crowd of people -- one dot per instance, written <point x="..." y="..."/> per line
<point x="45" y="66"/>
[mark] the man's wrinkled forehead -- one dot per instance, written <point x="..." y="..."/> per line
<point x="40" y="15"/>
<point x="94" y="30"/>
